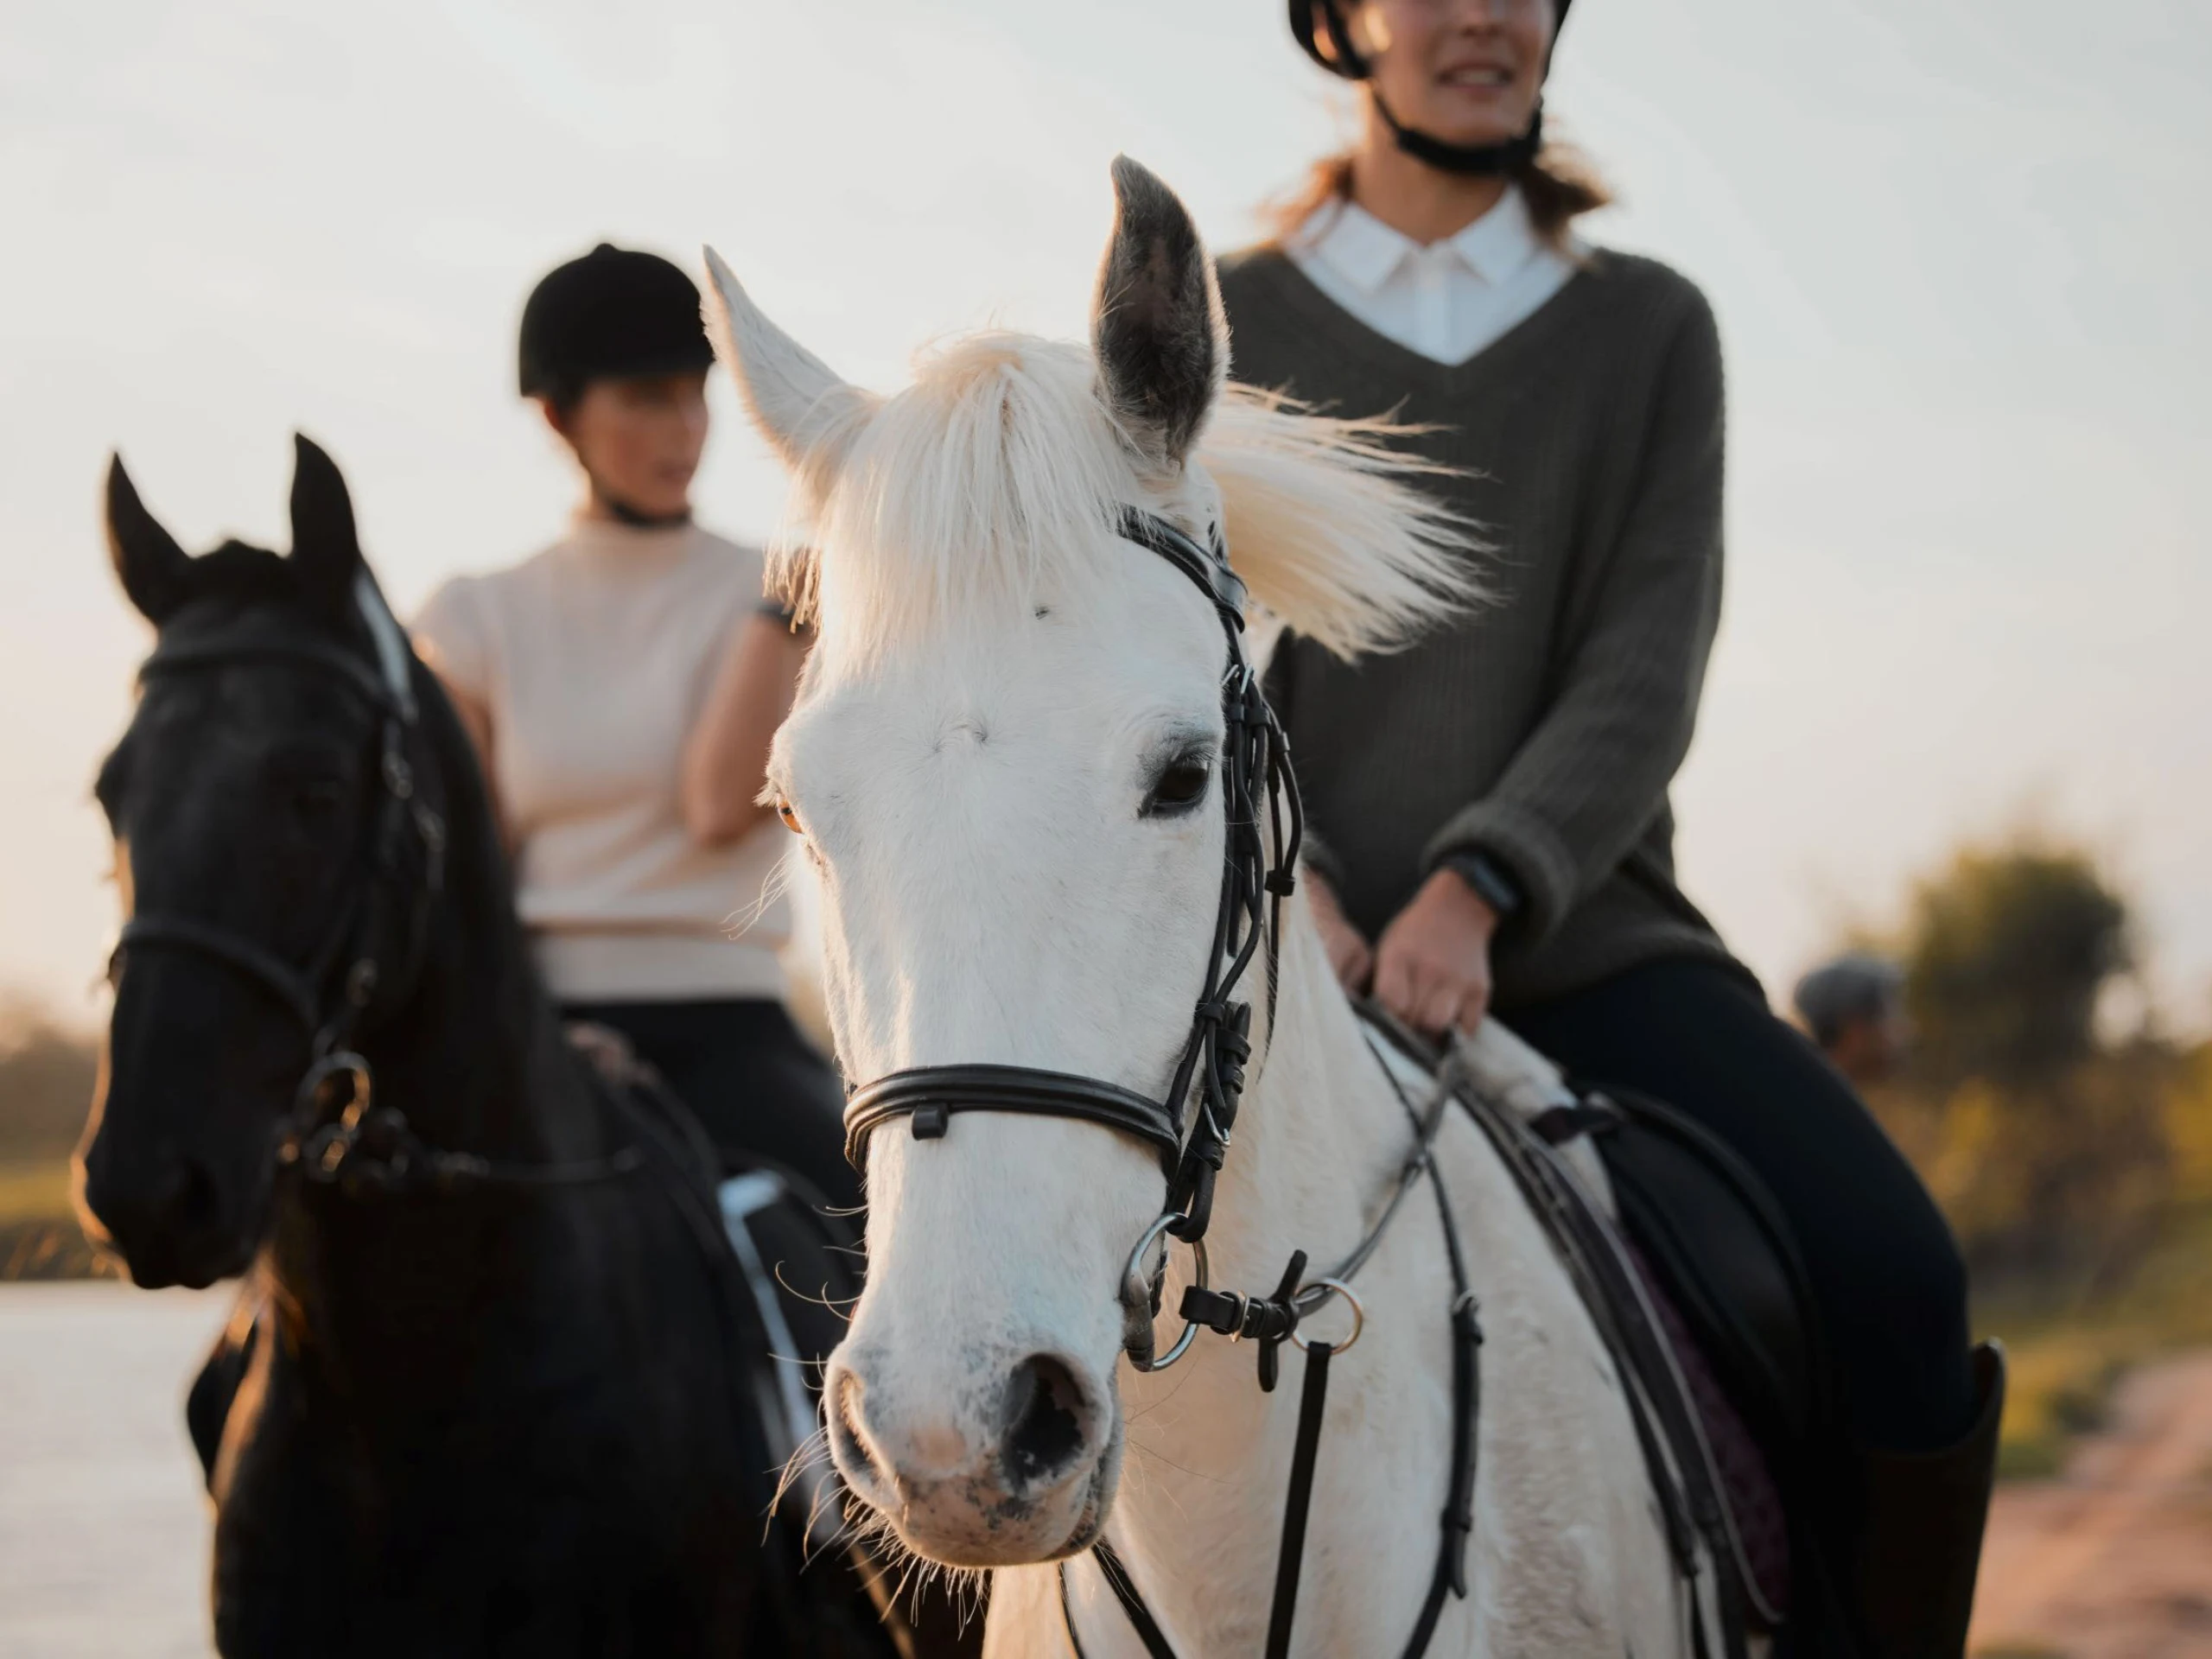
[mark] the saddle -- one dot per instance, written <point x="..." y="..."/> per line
<point x="1696" y="1285"/>
<point x="1722" y="1271"/>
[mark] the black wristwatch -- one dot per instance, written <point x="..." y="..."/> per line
<point x="1492" y="881"/>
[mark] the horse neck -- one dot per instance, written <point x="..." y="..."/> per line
<point x="475" y="1060"/>
<point x="1320" y="1140"/>
<point x="475" y="1057"/>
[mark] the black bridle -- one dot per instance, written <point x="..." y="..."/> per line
<point x="1190" y="1129"/>
<point x="369" y="961"/>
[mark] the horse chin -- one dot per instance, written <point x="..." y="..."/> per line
<point x="194" y="1267"/>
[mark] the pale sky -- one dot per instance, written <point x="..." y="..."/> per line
<point x="1957" y="249"/>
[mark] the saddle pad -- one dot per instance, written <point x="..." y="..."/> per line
<point x="1746" y="1479"/>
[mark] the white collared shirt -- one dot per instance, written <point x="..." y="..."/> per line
<point x="1445" y="301"/>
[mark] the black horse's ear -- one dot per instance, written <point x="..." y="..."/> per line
<point x="326" y="546"/>
<point x="1157" y="325"/>
<point x="155" y="571"/>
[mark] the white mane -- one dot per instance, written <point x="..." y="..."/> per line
<point x="999" y="472"/>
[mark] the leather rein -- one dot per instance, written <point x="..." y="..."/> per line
<point x="373" y="953"/>
<point x="1189" y="1129"/>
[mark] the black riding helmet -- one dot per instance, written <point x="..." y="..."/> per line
<point x="614" y="314"/>
<point x="1340" y="57"/>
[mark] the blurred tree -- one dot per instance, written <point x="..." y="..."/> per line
<point x="2050" y="1149"/>
<point x="2008" y="951"/>
<point x="46" y="1084"/>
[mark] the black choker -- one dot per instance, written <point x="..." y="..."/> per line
<point x="622" y="513"/>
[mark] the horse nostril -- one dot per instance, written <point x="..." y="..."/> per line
<point x="1045" y="1413"/>
<point x="844" y="1424"/>
<point x="189" y="1202"/>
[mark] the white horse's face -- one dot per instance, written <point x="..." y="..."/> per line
<point x="1021" y="846"/>
<point x="1004" y="760"/>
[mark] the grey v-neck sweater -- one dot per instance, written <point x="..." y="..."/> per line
<point x="1543" y="730"/>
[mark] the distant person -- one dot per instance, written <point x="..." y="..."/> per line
<point x="622" y="687"/>
<point x="1853" y="1008"/>
<point x="1489" y="808"/>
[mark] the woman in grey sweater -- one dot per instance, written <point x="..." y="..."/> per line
<point x="1489" y="808"/>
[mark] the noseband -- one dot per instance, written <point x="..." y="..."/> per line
<point x="1190" y="1127"/>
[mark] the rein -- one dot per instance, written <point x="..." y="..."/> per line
<point x="1191" y="1125"/>
<point x="365" y="1148"/>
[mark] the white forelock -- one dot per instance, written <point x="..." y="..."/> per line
<point x="998" y="474"/>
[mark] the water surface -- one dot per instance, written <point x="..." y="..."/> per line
<point x="103" y="1519"/>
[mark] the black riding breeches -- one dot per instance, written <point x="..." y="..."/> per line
<point x="1880" y="1256"/>
<point x="749" y="1076"/>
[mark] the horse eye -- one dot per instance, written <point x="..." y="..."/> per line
<point x="1181" y="786"/>
<point x="784" y="811"/>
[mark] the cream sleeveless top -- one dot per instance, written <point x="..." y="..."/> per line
<point x="591" y="660"/>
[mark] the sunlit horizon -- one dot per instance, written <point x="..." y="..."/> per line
<point x="1954" y="253"/>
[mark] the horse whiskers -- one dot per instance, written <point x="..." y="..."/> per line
<point x="823" y="1300"/>
<point x="965" y="1585"/>
<point x="814" y="1449"/>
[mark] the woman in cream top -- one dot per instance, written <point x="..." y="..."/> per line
<point x="622" y="686"/>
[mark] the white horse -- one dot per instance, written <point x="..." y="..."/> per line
<point x="1002" y="764"/>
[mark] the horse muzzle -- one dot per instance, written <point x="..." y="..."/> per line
<point x="171" y="1220"/>
<point x="1014" y="1463"/>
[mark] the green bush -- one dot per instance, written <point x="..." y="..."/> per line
<point x="2051" y="1149"/>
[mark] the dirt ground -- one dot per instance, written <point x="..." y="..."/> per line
<point x="2113" y="1559"/>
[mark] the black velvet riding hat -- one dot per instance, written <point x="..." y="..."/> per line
<point x="614" y="314"/>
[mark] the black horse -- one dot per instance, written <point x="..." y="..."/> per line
<point x="496" y="1385"/>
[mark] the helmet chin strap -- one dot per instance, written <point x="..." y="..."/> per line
<point x="1472" y="160"/>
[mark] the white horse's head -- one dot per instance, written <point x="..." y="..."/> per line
<point x="1002" y="761"/>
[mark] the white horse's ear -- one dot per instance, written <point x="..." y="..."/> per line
<point x="1157" y="324"/>
<point x="794" y="398"/>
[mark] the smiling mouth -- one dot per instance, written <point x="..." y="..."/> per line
<point x="1488" y="77"/>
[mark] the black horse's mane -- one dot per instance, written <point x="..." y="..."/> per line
<point x="239" y="570"/>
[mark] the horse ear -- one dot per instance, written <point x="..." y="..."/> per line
<point x="1158" y="328"/>
<point x="326" y="546"/>
<point x="155" y="571"/>
<point x="796" y="400"/>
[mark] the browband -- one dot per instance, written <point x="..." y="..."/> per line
<point x="179" y="656"/>
<point x="1209" y="571"/>
<point x="390" y="687"/>
<point x="931" y="1094"/>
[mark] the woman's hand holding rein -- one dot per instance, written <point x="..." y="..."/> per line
<point x="1431" y="968"/>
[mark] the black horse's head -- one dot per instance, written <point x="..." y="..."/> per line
<point x="254" y="802"/>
